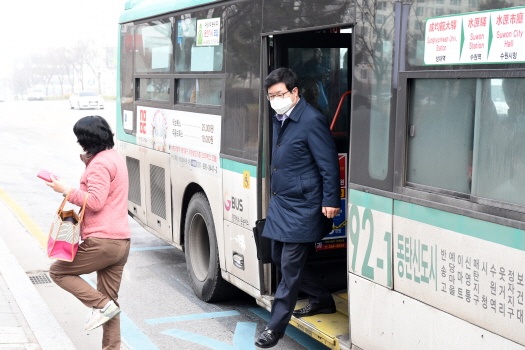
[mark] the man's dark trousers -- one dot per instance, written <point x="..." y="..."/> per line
<point x="290" y="258"/>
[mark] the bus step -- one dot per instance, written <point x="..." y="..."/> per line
<point x="329" y="329"/>
<point x="341" y="302"/>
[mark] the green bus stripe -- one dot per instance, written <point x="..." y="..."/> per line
<point x="371" y="201"/>
<point x="487" y="231"/>
<point x="238" y="167"/>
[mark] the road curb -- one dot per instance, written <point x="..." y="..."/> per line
<point x="48" y="332"/>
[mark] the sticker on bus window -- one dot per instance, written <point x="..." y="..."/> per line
<point x="128" y="120"/>
<point x="208" y="32"/>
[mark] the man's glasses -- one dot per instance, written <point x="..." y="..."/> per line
<point x="278" y="97"/>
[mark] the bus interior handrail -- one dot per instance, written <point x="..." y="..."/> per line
<point x="338" y="110"/>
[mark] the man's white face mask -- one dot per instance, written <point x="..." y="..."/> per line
<point x="281" y="105"/>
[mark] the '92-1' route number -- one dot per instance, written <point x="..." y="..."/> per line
<point x="359" y="227"/>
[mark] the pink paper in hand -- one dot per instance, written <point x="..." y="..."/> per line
<point x="46" y="175"/>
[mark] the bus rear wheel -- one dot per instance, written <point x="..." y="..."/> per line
<point x="202" y="253"/>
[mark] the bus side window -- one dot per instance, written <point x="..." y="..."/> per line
<point x="154" y="89"/>
<point x="153" y="47"/>
<point x="199" y="91"/>
<point x="441" y="115"/>
<point x="500" y="167"/>
<point x="191" y="53"/>
<point x="466" y="137"/>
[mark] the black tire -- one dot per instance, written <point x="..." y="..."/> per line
<point x="202" y="253"/>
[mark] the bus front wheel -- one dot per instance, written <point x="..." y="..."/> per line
<point x="201" y="250"/>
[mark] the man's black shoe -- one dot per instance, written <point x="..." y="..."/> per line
<point x="269" y="338"/>
<point x="314" y="309"/>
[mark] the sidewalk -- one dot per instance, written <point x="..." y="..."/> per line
<point x="25" y="319"/>
<point x="14" y="331"/>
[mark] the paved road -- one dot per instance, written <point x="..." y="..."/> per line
<point x="160" y="310"/>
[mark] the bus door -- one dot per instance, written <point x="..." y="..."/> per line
<point x="322" y="61"/>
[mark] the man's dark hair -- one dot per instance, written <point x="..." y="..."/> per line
<point x="281" y="75"/>
<point x="94" y="134"/>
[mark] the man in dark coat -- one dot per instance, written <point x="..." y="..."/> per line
<point x="304" y="199"/>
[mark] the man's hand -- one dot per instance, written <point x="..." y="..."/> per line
<point x="57" y="185"/>
<point x="330" y="212"/>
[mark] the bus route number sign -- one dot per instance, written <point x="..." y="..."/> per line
<point x="370" y="248"/>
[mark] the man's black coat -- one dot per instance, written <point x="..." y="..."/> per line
<point x="304" y="177"/>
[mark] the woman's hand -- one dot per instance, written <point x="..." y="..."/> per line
<point x="57" y="185"/>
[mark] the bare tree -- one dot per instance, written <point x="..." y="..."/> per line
<point x="44" y="68"/>
<point x="376" y="31"/>
<point x="68" y="65"/>
<point x="22" y="76"/>
<point x="79" y="52"/>
<point x="94" y="58"/>
<point x="58" y="60"/>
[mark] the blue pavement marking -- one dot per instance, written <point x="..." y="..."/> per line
<point x="300" y="337"/>
<point x="193" y="317"/>
<point x="244" y="335"/>
<point x="132" y="336"/>
<point x="243" y="338"/>
<point x="152" y="248"/>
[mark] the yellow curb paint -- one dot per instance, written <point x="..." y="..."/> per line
<point x="26" y="220"/>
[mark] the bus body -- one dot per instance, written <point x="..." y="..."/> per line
<point x="428" y="248"/>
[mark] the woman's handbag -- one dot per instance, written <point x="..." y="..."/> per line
<point x="62" y="243"/>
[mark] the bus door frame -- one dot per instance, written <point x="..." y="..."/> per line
<point x="273" y="53"/>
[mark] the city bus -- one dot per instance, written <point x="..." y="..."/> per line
<point x="426" y="104"/>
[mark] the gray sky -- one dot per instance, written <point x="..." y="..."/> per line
<point x="32" y="25"/>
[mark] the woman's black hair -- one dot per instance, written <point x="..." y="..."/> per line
<point x="281" y="75"/>
<point x="94" y="134"/>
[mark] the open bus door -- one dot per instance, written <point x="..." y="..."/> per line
<point x="321" y="59"/>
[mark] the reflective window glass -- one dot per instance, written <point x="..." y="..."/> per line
<point x="198" y="45"/>
<point x="154" y="89"/>
<point x="126" y="76"/>
<point x="468" y="136"/>
<point x="499" y="163"/>
<point x="199" y="91"/>
<point x="153" y="47"/>
<point x="441" y="128"/>
<point x="380" y="87"/>
<point x="372" y="160"/>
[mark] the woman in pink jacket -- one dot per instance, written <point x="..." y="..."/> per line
<point x="105" y="231"/>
